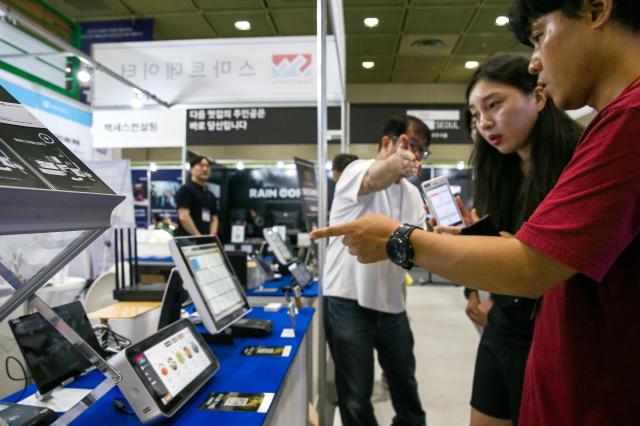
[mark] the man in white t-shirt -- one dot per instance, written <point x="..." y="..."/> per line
<point x="364" y="304"/>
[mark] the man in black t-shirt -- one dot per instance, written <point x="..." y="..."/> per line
<point x="197" y="210"/>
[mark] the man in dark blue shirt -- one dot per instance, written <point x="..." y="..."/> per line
<point x="197" y="210"/>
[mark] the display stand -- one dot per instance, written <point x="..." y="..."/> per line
<point x="52" y="208"/>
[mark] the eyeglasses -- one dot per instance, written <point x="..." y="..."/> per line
<point x="416" y="147"/>
<point x="421" y="151"/>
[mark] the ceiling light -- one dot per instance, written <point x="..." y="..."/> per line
<point x="280" y="164"/>
<point x="371" y="22"/>
<point x="242" y="25"/>
<point x="153" y="167"/>
<point x="240" y="165"/>
<point x="368" y="65"/>
<point x="501" y="21"/>
<point x="460" y="165"/>
<point x="83" y="76"/>
<point x="471" y="65"/>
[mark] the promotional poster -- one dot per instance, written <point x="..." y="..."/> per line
<point x="31" y="156"/>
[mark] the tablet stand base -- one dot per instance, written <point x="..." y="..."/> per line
<point x="58" y="400"/>
<point x="223" y="338"/>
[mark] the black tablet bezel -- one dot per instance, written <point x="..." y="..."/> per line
<point x="48" y="386"/>
<point x="183" y="396"/>
<point x="222" y="323"/>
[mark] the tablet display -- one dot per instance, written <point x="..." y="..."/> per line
<point x="210" y="281"/>
<point x="278" y="246"/>
<point x="172" y="364"/>
<point x="50" y="357"/>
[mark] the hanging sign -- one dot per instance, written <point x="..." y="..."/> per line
<point x="444" y="120"/>
<point x="267" y="69"/>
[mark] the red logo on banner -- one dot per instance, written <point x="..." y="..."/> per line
<point x="291" y="65"/>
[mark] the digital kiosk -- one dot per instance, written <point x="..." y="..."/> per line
<point x="162" y="372"/>
<point x="209" y="278"/>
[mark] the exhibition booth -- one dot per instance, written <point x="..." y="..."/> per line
<point x="144" y="327"/>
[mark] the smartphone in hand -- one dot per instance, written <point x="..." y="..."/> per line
<point x="442" y="204"/>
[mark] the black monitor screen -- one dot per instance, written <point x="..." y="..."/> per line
<point x="174" y="296"/>
<point x="50" y="357"/>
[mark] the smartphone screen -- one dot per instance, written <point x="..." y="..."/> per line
<point x="442" y="204"/>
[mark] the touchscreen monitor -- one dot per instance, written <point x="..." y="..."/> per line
<point x="210" y="280"/>
<point x="172" y="300"/>
<point x="278" y="246"/>
<point x="301" y="273"/>
<point x="168" y="368"/>
<point x="50" y="357"/>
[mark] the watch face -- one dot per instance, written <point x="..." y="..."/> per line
<point x="397" y="251"/>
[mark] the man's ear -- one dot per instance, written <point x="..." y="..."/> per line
<point x="598" y="12"/>
<point x="386" y="143"/>
<point x="540" y="98"/>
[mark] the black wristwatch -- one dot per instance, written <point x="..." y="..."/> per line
<point x="399" y="248"/>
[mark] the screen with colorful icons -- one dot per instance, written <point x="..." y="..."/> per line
<point x="172" y="364"/>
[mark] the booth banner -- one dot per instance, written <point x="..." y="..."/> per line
<point x="266" y="69"/>
<point x="309" y="191"/>
<point x="122" y="30"/>
<point x="446" y="121"/>
<point x="255" y="125"/>
<point x="140" y="187"/>
<point x="163" y="187"/>
<point x="258" y="198"/>
<point x="138" y="128"/>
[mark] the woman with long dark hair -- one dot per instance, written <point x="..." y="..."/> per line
<point x="523" y="143"/>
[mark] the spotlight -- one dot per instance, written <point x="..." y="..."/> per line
<point x="83" y="76"/>
<point x="242" y="25"/>
<point x="470" y="65"/>
<point x="501" y="21"/>
<point x="367" y="65"/>
<point x="371" y="22"/>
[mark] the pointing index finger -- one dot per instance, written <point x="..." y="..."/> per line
<point x="329" y="231"/>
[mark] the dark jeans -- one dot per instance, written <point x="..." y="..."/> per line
<point x="353" y="332"/>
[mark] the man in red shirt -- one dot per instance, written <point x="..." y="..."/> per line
<point x="581" y="248"/>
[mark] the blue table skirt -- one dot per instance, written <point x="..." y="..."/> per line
<point x="238" y="373"/>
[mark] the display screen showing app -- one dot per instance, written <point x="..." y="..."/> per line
<point x="171" y="365"/>
<point x="215" y="280"/>
<point x="444" y="206"/>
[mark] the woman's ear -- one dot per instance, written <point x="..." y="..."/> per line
<point x="540" y="98"/>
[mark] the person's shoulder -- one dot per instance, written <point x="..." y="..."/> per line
<point x="351" y="172"/>
<point x="184" y="190"/>
<point x="184" y="187"/>
<point x="357" y="165"/>
<point x="627" y="104"/>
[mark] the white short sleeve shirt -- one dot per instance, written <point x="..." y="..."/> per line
<point x="377" y="285"/>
